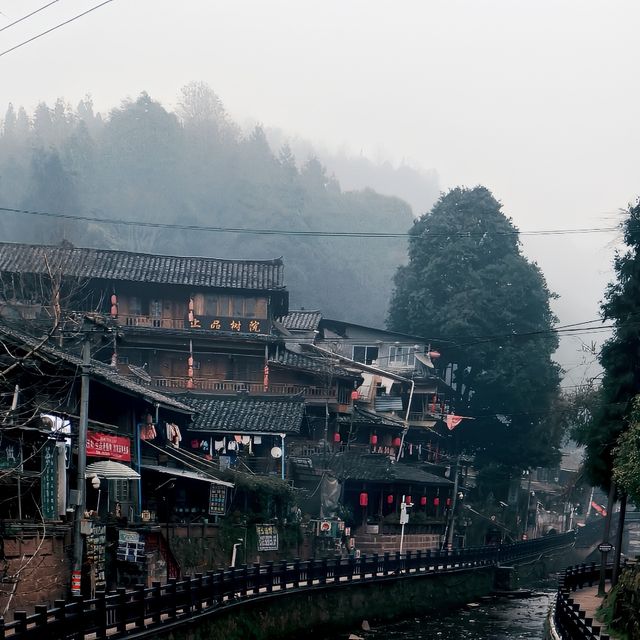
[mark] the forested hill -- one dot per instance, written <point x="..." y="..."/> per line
<point x="196" y="167"/>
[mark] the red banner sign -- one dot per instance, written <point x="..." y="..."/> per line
<point x="102" y="445"/>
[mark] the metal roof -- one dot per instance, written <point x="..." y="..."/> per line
<point x="183" y="473"/>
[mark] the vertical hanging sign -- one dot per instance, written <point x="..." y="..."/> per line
<point x="48" y="482"/>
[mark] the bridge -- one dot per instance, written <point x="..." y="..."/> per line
<point x="278" y="600"/>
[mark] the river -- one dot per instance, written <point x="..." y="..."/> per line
<point x="501" y="619"/>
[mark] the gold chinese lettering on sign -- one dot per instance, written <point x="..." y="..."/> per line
<point x="215" y="324"/>
<point x="236" y="325"/>
<point x="254" y="326"/>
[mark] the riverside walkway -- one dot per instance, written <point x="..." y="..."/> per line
<point x="162" y="608"/>
<point x="576" y="605"/>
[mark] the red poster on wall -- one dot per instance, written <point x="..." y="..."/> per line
<point x="103" y="445"/>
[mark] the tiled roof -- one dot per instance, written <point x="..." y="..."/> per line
<point x="376" y="467"/>
<point x="246" y="414"/>
<point x="302" y="320"/>
<point x="314" y="364"/>
<point x="106" y="264"/>
<point x="98" y="370"/>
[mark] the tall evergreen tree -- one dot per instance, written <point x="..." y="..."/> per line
<point x="469" y="288"/>
<point x="619" y="356"/>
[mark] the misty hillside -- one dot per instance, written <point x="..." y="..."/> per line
<point x="196" y="167"/>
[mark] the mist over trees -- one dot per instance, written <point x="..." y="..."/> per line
<point x="195" y="166"/>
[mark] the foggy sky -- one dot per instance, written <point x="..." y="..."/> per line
<point x="536" y="100"/>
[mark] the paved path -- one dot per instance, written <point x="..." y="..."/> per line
<point x="589" y="601"/>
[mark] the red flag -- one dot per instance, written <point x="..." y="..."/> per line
<point x="453" y="421"/>
<point x="265" y="382"/>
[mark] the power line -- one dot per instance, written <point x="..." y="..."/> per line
<point x="294" y="232"/>
<point x="62" y="24"/>
<point x="33" y="13"/>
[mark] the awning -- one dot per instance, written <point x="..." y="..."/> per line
<point x="425" y="359"/>
<point x="110" y="470"/>
<point x="183" y="473"/>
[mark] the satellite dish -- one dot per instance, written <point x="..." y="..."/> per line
<point x="276" y="452"/>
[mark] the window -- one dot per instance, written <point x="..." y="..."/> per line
<point x="121" y="490"/>
<point x="401" y="357"/>
<point x="365" y="354"/>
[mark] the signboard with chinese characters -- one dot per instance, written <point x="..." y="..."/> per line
<point x="96" y="555"/>
<point x="233" y="325"/>
<point x="48" y="482"/>
<point x="103" y="445"/>
<point x="267" y="537"/>
<point x="217" y="499"/>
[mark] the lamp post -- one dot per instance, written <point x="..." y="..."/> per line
<point x="81" y="502"/>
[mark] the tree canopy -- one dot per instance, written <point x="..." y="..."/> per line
<point x="469" y="287"/>
<point x="197" y="167"/>
<point x="619" y="359"/>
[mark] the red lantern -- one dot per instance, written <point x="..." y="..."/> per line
<point x="190" y="304"/>
<point x="397" y="442"/>
<point x="434" y="354"/>
<point x="336" y="437"/>
<point x="448" y="502"/>
<point x="114" y="298"/>
<point x="190" y="361"/>
<point x="407" y="500"/>
<point x="355" y="394"/>
<point x="390" y="499"/>
<point x="190" y="372"/>
<point x="374" y="439"/>
<point x="423" y="501"/>
<point x="436" y="502"/>
<point x="364" y="499"/>
<point x="114" y="310"/>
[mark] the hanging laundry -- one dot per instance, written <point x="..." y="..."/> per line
<point x="219" y="445"/>
<point x="148" y="432"/>
<point x="232" y="446"/>
<point x="237" y="438"/>
<point x="246" y="440"/>
<point x="257" y="439"/>
<point x="173" y="435"/>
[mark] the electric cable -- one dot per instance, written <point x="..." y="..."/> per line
<point x="294" y="232"/>
<point x="62" y="24"/>
<point x="33" y="13"/>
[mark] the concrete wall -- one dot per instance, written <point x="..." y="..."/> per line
<point x="325" y="609"/>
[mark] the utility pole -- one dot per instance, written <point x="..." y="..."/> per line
<point x="605" y="538"/>
<point x="78" y="544"/>
<point x="452" y="518"/>
<point x="619" y="533"/>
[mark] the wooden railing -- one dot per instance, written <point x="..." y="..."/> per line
<point x="147" y="609"/>
<point x="250" y="386"/>
<point x="571" y="622"/>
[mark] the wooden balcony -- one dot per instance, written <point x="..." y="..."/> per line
<point x="215" y="385"/>
<point x="152" y="322"/>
